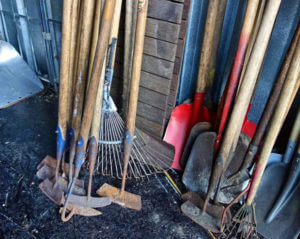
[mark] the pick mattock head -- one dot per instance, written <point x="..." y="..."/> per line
<point x="203" y="219"/>
<point x="123" y="198"/>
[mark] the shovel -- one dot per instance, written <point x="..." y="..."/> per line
<point x="185" y="116"/>
<point x="264" y="121"/>
<point x="91" y="100"/>
<point x="120" y="196"/>
<point x="197" y="171"/>
<point x="17" y="80"/>
<point x="243" y="97"/>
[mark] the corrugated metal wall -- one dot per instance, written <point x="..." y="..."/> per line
<point x="33" y="27"/>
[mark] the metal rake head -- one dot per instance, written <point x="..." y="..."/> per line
<point x="243" y="224"/>
<point x="144" y="160"/>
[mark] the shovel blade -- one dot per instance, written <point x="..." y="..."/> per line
<point x="53" y="192"/>
<point x="203" y="219"/>
<point x="51" y="162"/>
<point x="124" y="199"/>
<point x="93" y="202"/>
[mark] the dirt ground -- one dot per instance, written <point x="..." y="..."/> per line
<point x="27" y="135"/>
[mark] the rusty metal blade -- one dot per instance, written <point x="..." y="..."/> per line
<point x="203" y="219"/>
<point x="90" y="202"/>
<point x="54" y="193"/>
<point x="124" y="199"/>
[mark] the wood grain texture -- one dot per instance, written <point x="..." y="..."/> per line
<point x="151" y="113"/>
<point x="156" y="83"/>
<point x="162" y="30"/>
<point x="161" y="49"/>
<point x="153" y="98"/>
<point x="150" y="126"/>
<point x="165" y="10"/>
<point x="158" y="66"/>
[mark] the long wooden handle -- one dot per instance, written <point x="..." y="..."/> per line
<point x="95" y="129"/>
<point x="246" y="90"/>
<point x="63" y="85"/>
<point x="207" y="44"/>
<point x="73" y="42"/>
<point x="234" y="78"/>
<point x="135" y="81"/>
<point x="277" y="121"/>
<point x="272" y="101"/>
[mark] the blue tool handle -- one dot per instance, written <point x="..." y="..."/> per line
<point x="60" y="147"/>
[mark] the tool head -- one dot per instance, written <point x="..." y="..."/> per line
<point x="73" y="209"/>
<point x="195" y="131"/>
<point x="215" y="211"/>
<point x="125" y="199"/>
<point x="199" y="165"/>
<point x="93" y="202"/>
<point x="51" y="162"/>
<point x="55" y="191"/>
<point x="203" y="219"/>
<point x="52" y="192"/>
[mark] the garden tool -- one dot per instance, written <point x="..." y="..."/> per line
<point x="120" y="196"/>
<point x="293" y="139"/>
<point x="88" y="201"/>
<point x="185" y="116"/>
<point x="244" y="95"/>
<point x="197" y="172"/>
<point x="17" y="80"/>
<point x="149" y="154"/>
<point x="91" y="100"/>
<point x="50" y="189"/>
<point x="286" y="224"/>
<point x="81" y="75"/>
<point x="253" y="147"/>
<point x="294" y="174"/>
<point x="246" y="214"/>
<point x="195" y="131"/>
<point x="75" y="25"/>
<point x="130" y="27"/>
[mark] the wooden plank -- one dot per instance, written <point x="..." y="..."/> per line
<point x="150" y="126"/>
<point x="158" y="66"/>
<point x="161" y="49"/>
<point x="156" y="83"/>
<point x="165" y="10"/>
<point x="162" y="30"/>
<point x="169" y="111"/>
<point x="151" y="113"/>
<point x="152" y="98"/>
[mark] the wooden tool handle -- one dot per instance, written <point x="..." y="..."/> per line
<point x="135" y="81"/>
<point x="97" y="68"/>
<point x="237" y="66"/>
<point x="296" y="128"/>
<point x="272" y="101"/>
<point x="95" y="129"/>
<point x="245" y="93"/>
<point x="93" y="151"/>
<point x="63" y="85"/>
<point x="277" y="121"/>
<point x="73" y="44"/>
<point x="207" y="44"/>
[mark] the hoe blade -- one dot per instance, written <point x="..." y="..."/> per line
<point x="90" y="202"/>
<point x="124" y="199"/>
<point x="51" y="162"/>
<point x="52" y="192"/>
<point x="203" y="219"/>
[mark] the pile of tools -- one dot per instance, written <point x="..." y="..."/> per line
<point x="89" y="125"/>
<point x="224" y="160"/>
